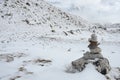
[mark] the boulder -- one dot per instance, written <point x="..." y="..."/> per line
<point x="102" y="66"/>
<point x="79" y="64"/>
<point x="101" y="63"/>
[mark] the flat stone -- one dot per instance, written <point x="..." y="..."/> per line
<point x="89" y="55"/>
<point x="96" y="50"/>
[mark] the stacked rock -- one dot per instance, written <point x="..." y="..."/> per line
<point x="95" y="51"/>
<point x="93" y="46"/>
<point x="94" y="56"/>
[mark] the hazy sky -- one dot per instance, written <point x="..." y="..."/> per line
<point x="92" y="10"/>
<point x="103" y="11"/>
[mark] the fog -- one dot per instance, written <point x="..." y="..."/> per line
<point x="102" y="11"/>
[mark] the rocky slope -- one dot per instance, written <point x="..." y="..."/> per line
<point x="21" y="19"/>
<point x="37" y="40"/>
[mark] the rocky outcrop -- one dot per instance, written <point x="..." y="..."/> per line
<point x="94" y="56"/>
<point x="102" y="65"/>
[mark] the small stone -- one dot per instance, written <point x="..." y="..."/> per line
<point x="9" y="59"/>
<point x="93" y="46"/>
<point x="22" y="69"/>
<point x="29" y="72"/>
<point x="69" y="50"/>
<point x="93" y="38"/>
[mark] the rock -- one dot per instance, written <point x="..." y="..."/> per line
<point x="89" y="55"/>
<point x="96" y="50"/>
<point x="79" y="64"/>
<point x="22" y="69"/>
<point x="101" y="63"/>
<point x="93" y="38"/>
<point x="9" y="58"/>
<point x="93" y="46"/>
<point x="102" y="66"/>
<point x="94" y="56"/>
<point x="114" y="74"/>
<point x="16" y="77"/>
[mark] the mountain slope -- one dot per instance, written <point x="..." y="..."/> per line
<point x="37" y="15"/>
<point x="36" y="12"/>
<point x="37" y="41"/>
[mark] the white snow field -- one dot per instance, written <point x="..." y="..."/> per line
<point x="60" y="51"/>
<point x="39" y="41"/>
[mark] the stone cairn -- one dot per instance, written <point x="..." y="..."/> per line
<point x="94" y="56"/>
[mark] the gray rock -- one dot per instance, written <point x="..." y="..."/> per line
<point x="96" y="50"/>
<point x="79" y="64"/>
<point x="93" y="38"/>
<point x="101" y="63"/>
<point x="94" y="56"/>
<point x="89" y="55"/>
<point x="114" y="74"/>
<point x="9" y="58"/>
<point x="102" y="66"/>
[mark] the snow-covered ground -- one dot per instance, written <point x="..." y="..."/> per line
<point x="60" y="52"/>
<point x="39" y="41"/>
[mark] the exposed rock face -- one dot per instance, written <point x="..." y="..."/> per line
<point x="94" y="56"/>
<point x="102" y="65"/>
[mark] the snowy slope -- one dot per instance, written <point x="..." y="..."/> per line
<point x="25" y="20"/>
<point x="35" y="18"/>
<point x="38" y="42"/>
<point x="60" y="52"/>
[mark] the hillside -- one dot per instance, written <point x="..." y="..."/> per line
<point x="25" y="20"/>
<point x="38" y="42"/>
<point x="35" y="18"/>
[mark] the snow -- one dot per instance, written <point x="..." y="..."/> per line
<point x="36" y="41"/>
<point x="100" y="11"/>
<point x="57" y="52"/>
